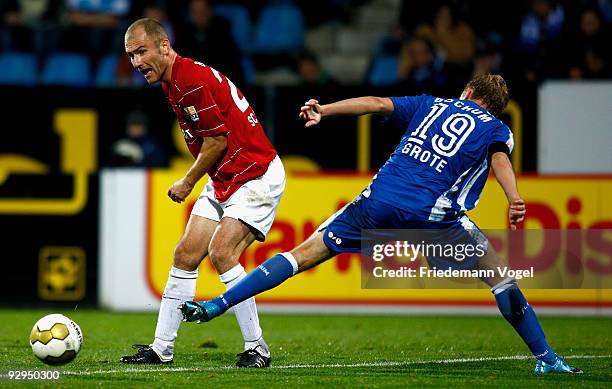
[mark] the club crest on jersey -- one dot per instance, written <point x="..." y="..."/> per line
<point x="192" y="113"/>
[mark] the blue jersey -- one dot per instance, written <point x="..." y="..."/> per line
<point x="441" y="164"/>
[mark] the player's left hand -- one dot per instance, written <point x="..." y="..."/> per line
<point x="517" y="211"/>
<point x="179" y="191"/>
<point x="310" y="112"/>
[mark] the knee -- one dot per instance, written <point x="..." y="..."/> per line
<point x="221" y="255"/>
<point x="185" y="258"/>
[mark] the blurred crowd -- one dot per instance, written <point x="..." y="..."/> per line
<point x="442" y="42"/>
<point x="435" y="44"/>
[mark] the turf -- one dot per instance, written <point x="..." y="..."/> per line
<point x="319" y="351"/>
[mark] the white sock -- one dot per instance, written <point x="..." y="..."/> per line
<point x="180" y="287"/>
<point x="246" y="311"/>
<point x="289" y="257"/>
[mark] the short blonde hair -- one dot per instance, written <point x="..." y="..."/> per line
<point x="492" y="90"/>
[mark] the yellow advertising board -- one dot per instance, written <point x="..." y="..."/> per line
<point x="553" y="202"/>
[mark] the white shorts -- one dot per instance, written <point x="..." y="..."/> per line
<point x="255" y="203"/>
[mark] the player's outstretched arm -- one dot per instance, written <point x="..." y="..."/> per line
<point x="212" y="149"/>
<point x="502" y="168"/>
<point x="312" y="112"/>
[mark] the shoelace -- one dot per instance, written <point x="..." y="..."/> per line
<point x="252" y="351"/>
<point x="140" y="347"/>
<point x="248" y="352"/>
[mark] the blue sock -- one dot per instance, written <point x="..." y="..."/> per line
<point x="269" y="274"/>
<point x="520" y="315"/>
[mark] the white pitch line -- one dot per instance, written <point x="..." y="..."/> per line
<point x="327" y="366"/>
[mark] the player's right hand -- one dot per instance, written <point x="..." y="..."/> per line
<point x="516" y="213"/>
<point x="311" y="113"/>
<point x="179" y="191"/>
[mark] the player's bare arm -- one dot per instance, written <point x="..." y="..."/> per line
<point x="212" y="150"/>
<point x="502" y="168"/>
<point x="312" y="112"/>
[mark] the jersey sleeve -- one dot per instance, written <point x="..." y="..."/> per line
<point x="202" y="112"/>
<point x="501" y="136"/>
<point x="404" y="108"/>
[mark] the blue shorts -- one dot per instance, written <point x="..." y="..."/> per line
<point x="365" y="222"/>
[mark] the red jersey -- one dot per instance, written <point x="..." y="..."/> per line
<point x="207" y="103"/>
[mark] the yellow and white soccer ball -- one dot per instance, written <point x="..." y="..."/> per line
<point x="55" y="339"/>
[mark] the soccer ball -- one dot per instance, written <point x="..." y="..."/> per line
<point x="55" y="339"/>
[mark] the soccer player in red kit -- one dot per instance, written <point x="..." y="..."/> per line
<point x="239" y="202"/>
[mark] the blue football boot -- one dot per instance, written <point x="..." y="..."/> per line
<point x="201" y="311"/>
<point x="560" y="366"/>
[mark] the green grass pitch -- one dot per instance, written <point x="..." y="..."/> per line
<point x="319" y="351"/>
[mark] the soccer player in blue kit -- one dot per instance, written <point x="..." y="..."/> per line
<point x="433" y="177"/>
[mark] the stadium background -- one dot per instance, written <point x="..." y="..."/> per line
<point x="87" y="223"/>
